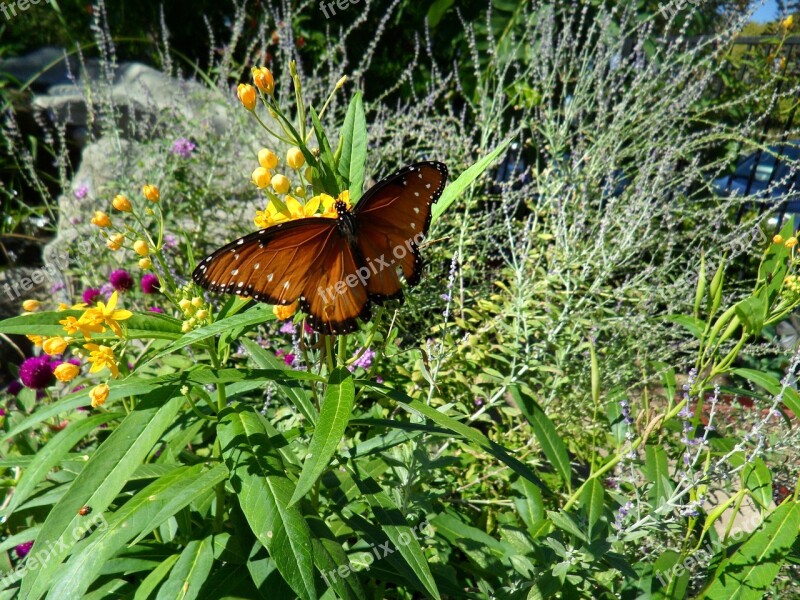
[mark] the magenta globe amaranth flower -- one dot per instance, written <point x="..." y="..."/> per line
<point x="156" y="309"/>
<point x="150" y="284"/>
<point x="22" y="550"/>
<point x="121" y="280"/>
<point x="14" y="388"/>
<point x="90" y="295"/>
<point x="36" y="372"/>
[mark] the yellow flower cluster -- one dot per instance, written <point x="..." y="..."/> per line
<point x="291" y="209"/>
<point x="195" y="312"/>
<point x="791" y="285"/>
<point x="116" y="240"/>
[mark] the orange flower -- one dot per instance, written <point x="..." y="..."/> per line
<point x="121" y="203"/>
<point x="101" y="219"/>
<point x="263" y="79"/>
<point x="101" y="357"/>
<point x="109" y="314"/>
<point x="247" y="95"/>
<point x="99" y="394"/>
<point x="284" y="312"/>
<point x="66" y="372"/>
<point x="151" y="192"/>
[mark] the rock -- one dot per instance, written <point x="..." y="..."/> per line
<point x="46" y="66"/>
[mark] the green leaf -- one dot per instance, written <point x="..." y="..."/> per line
<point x="330" y="177"/>
<point x="189" y="573"/>
<point x="261" y="313"/>
<point x="775" y="264"/>
<point x="467" y="432"/>
<point x="614" y="411"/>
<point x="354" y="151"/>
<point x="139" y="326"/>
<point x="750" y="571"/>
<point x="666" y="584"/>
<point x="757" y="478"/>
<point x="257" y="476"/>
<point x="296" y="395"/>
<point x="752" y="311"/>
<point x="52" y="454"/>
<point x="148" y="509"/>
<point x="790" y="396"/>
<point x="656" y="467"/>
<point x="396" y="528"/>
<point x="592" y="500"/>
<point x="455" y="189"/>
<point x="553" y="447"/>
<point x="153" y="579"/>
<point x="98" y="484"/>
<point x="694" y="325"/>
<point x="334" y="415"/>
<point x="437" y="11"/>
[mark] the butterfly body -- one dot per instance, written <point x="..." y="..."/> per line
<point x="335" y="268"/>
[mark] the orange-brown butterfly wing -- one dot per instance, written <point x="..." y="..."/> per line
<point x="392" y="219"/>
<point x="300" y="260"/>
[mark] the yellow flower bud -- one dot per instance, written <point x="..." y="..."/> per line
<point x="202" y="314"/>
<point x="247" y="95"/>
<point x="151" y="192"/>
<point x="300" y="191"/>
<point x="101" y="219"/>
<point x="778" y="239"/>
<point x="340" y="83"/>
<point x="267" y="158"/>
<point x="31" y="305"/>
<point x="54" y="345"/>
<point x="284" y="312"/>
<point x="186" y="327"/>
<point x="788" y="22"/>
<point x="295" y="158"/>
<point x="141" y="248"/>
<point x="263" y="79"/>
<point x="261" y="177"/>
<point x="99" y="395"/>
<point x="66" y="372"/>
<point x="197" y="302"/>
<point x="791" y="242"/>
<point x="309" y="174"/>
<point x="281" y="184"/>
<point x="145" y="263"/>
<point x="114" y="243"/>
<point x="121" y="203"/>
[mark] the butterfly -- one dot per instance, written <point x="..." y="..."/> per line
<point x="335" y="268"/>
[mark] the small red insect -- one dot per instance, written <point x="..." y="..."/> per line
<point x="85" y="510"/>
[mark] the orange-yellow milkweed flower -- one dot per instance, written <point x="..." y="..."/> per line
<point x="141" y="248"/>
<point x="66" y="372"/>
<point x="329" y="203"/>
<point x="101" y="219"/>
<point x="102" y="357"/>
<point x="285" y="312"/>
<point x="114" y="243"/>
<point x="109" y="314"/>
<point x="264" y="80"/>
<point x="247" y="95"/>
<point x="267" y="158"/>
<point x="99" y="394"/>
<point x="54" y="345"/>
<point x="151" y="192"/>
<point x="295" y="158"/>
<point x="31" y="305"/>
<point x="145" y="263"/>
<point x="37" y="340"/>
<point x="788" y="22"/>
<point x="778" y="239"/>
<point x="281" y="184"/>
<point x="121" y="203"/>
<point x="300" y="211"/>
<point x="791" y="242"/>
<point x="261" y="177"/>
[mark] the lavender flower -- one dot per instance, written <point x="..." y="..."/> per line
<point x="287" y="327"/>
<point x="106" y="290"/>
<point x="81" y="191"/>
<point x="364" y="361"/>
<point x="183" y="147"/>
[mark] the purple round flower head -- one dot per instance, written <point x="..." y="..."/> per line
<point x="289" y="359"/>
<point x="183" y="147"/>
<point x="307" y="329"/>
<point x="121" y="280"/>
<point x="90" y="295"/>
<point x="106" y="290"/>
<point x="14" y="388"/>
<point x="22" y="549"/>
<point x="150" y="284"/>
<point x="54" y="362"/>
<point x="75" y="361"/>
<point x="36" y="373"/>
<point x="156" y="309"/>
<point x="81" y="191"/>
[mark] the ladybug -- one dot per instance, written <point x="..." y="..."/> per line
<point x="85" y="510"/>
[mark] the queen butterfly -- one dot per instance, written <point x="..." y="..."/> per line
<point x="335" y="268"/>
